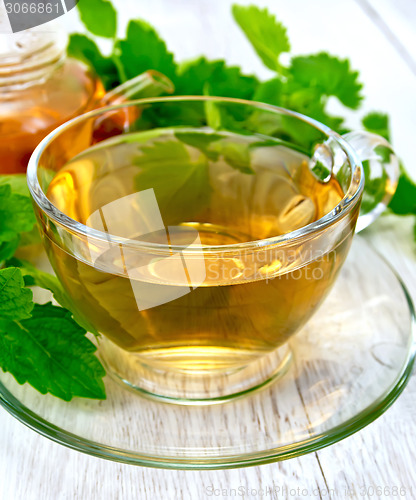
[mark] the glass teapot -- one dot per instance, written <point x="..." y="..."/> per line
<point x="41" y="88"/>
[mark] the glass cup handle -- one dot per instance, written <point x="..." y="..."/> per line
<point x="381" y="173"/>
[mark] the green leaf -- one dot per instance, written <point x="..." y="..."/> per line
<point x="404" y="199"/>
<point x="213" y="145"/>
<point x="269" y="92"/>
<point x="83" y="48"/>
<point x="15" y="300"/>
<point x="51" y="283"/>
<point x="8" y="248"/>
<point x="199" y="77"/>
<point x="267" y="36"/>
<point x="11" y="185"/>
<point x="309" y="102"/>
<point x="17" y="182"/>
<point x="214" y="114"/>
<point x="236" y="154"/>
<point x="321" y="171"/>
<point x="16" y="214"/>
<point x="228" y="81"/>
<point x="142" y="50"/>
<point x="329" y="75"/>
<point x="223" y="80"/>
<point x="378" y="123"/>
<point x="223" y="115"/>
<point x="192" y="75"/>
<point x="181" y="184"/>
<point x="99" y="17"/>
<point x="31" y="237"/>
<point x="176" y="114"/>
<point x="50" y="352"/>
<point x="201" y="141"/>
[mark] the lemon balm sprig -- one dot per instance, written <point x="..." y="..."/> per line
<point x="42" y="345"/>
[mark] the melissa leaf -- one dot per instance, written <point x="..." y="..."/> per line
<point x="16" y="213"/>
<point x="17" y="183"/>
<point x="99" y="17"/>
<point x="270" y="92"/>
<point x="223" y="80"/>
<point x="143" y="49"/>
<point x="180" y="182"/>
<point x="49" y="350"/>
<point x="201" y="141"/>
<point x="404" y="199"/>
<point x="83" y="48"/>
<point x="378" y="123"/>
<point x="47" y="281"/>
<point x="329" y="75"/>
<point x="15" y="300"/>
<point x="267" y="36"/>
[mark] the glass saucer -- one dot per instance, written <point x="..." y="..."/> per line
<point x="350" y="362"/>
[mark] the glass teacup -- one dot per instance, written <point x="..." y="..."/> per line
<point x="198" y="234"/>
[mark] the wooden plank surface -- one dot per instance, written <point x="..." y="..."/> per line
<point x="381" y="455"/>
